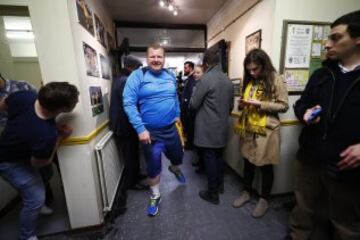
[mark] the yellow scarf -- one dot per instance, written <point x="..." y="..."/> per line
<point x="251" y="120"/>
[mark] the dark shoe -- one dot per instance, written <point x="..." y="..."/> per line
<point x="139" y="187"/>
<point x="221" y="188"/>
<point x="178" y="174"/>
<point x="142" y="177"/>
<point x="199" y="170"/>
<point x="195" y="164"/>
<point x="211" y="197"/>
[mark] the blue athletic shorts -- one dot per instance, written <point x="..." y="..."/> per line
<point x="164" y="140"/>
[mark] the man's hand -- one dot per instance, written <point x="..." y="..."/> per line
<point x="350" y="158"/>
<point x="144" y="137"/>
<point x="64" y="131"/>
<point x="308" y="113"/>
<point x="177" y="120"/>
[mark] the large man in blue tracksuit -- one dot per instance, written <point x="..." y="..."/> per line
<point x="152" y="106"/>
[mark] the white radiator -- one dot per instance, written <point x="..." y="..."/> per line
<point x="110" y="166"/>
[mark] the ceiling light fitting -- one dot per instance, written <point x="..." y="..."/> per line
<point x="169" y="4"/>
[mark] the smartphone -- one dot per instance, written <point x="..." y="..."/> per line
<point x="314" y="114"/>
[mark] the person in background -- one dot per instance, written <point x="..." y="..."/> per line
<point x="264" y="96"/>
<point x="198" y="73"/>
<point x="328" y="160"/>
<point x="152" y="106"/>
<point x="24" y="149"/>
<point x="8" y="86"/>
<point x="125" y="135"/>
<point x="185" y="99"/>
<point x="212" y="101"/>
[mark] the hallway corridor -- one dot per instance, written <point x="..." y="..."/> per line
<point x="183" y="215"/>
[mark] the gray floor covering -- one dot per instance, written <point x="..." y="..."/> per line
<point x="183" y="215"/>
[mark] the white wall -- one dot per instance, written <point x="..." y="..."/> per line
<point x="237" y="32"/>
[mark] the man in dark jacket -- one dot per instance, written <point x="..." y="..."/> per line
<point x="186" y="118"/>
<point x="213" y="101"/>
<point x="329" y="155"/>
<point x="126" y="137"/>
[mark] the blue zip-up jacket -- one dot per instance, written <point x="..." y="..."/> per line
<point x="150" y="99"/>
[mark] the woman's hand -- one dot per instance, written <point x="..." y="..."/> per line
<point x="250" y="102"/>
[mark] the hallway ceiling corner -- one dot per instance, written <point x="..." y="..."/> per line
<point x="190" y="12"/>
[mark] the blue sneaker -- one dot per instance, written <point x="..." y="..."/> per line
<point x="178" y="174"/>
<point x="153" y="207"/>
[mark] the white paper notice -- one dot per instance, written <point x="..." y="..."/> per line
<point x="299" y="38"/>
<point x="316" y="50"/>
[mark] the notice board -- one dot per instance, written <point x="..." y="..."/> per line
<point x="302" y="51"/>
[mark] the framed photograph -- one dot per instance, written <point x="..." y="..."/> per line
<point x="100" y="30"/>
<point x="110" y="41"/>
<point x="105" y="67"/>
<point x="253" y="41"/>
<point x="96" y="100"/>
<point x="91" y="61"/>
<point x="84" y="15"/>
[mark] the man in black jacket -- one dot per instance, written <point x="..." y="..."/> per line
<point x="186" y="118"/>
<point x="126" y="137"/>
<point x="329" y="155"/>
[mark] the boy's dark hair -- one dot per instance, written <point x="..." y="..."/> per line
<point x="191" y="64"/>
<point x="56" y="95"/>
<point x="211" y="58"/>
<point x="352" y="20"/>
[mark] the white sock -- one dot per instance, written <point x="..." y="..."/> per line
<point x="155" y="190"/>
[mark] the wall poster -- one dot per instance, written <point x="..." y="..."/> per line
<point x="96" y="100"/>
<point x="84" y="15"/>
<point x="253" y="41"/>
<point x="303" y="50"/>
<point x="298" y="46"/>
<point x="100" y="30"/>
<point x="105" y="67"/>
<point x="91" y="61"/>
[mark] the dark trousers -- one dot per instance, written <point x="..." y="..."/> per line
<point x="267" y="178"/>
<point x="129" y="148"/>
<point x="214" y="167"/>
<point x="342" y="198"/>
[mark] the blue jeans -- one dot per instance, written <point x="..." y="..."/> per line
<point x="26" y="179"/>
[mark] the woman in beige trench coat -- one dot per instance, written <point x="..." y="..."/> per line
<point x="264" y="96"/>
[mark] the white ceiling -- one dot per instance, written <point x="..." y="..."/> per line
<point x="190" y="11"/>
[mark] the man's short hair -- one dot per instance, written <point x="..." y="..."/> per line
<point x="211" y="57"/>
<point x="190" y="63"/>
<point x="132" y="62"/>
<point x="352" y="20"/>
<point x="54" y="96"/>
<point x="155" y="46"/>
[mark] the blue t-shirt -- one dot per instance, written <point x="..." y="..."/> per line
<point x="26" y="135"/>
<point x="150" y="99"/>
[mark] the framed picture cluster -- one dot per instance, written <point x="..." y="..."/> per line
<point x="303" y="50"/>
<point x="93" y="24"/>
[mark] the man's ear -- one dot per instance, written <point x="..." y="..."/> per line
<point x="357" y="41"/>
